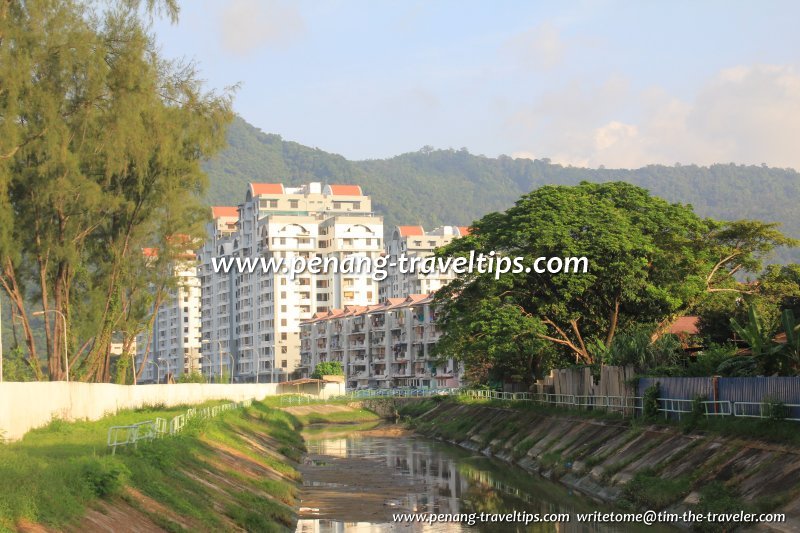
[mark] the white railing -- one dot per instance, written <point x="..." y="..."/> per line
<point x="764" y="409"/>
<point x="154" y="429"/>
<point x="625" y="405"/>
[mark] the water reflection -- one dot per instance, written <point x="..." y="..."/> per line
<point x="355" y="484"/>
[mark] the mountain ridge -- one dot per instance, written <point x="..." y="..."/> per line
<point x="432" y="187"/>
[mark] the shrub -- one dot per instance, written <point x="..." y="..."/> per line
<point x="327" y="368"/>
<point x="650" y="402"/>
<point x="775" y="409"/>
<point x="105" y="475"/>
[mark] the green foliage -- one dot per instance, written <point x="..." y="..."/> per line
<point x="791" y="328"/>
<point x="739" y="366"/>
<point x="54" y="473"/>
<point x="774" y="409"/>
<point x="708" y="361"/>
<point x="635" y="348"/>
<point x="648" y="261"/>
<point x="690" y="421"/>
<point x="497" y="340"/>
<point x="96" y="166"/>
<point x="192" y="377"/>
<point x="105" y="475"/>
<point x="327" y="368"/>
<point x="755" y="333"/>
<point x="650" y="402"/>
<point x="717" y="498"/>
<point x="16" y="366"/>
<point x="649" y="491"/>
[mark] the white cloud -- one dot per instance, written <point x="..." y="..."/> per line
<point x="744" y="114"/>
<point x="249" y="24"/>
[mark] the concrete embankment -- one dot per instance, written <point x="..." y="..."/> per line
<point x="651" y="467"/>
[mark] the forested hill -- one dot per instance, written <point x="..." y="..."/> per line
<point x="433" y="187"/>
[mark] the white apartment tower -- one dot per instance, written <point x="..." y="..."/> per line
<point x="252" y="319"/>
<point x="173" y="346"/>
<point x="414" y="241"/>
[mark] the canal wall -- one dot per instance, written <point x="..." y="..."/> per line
<point x="650" y="467"/>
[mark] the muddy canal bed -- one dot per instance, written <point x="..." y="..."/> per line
<point x="355" y="479"/>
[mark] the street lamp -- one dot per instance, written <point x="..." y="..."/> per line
<point x="219" y="358"/>
<point x="165" y="360"/>
<point x="158" y="371"/>
<point x="59" y="313"/>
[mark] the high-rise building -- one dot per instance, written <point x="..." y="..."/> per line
<point x="415" y="242"/>
<point x="173" y="345"/>
<point x="251" y="318"/>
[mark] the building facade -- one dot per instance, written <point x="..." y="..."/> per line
<point x="251" y="317"/>
<point x="173" y="345"/>
<point x="386" y="345"/>
<point x="415" y="242"/>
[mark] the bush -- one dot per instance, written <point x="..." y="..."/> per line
<point x="650" y="402"/>
<point x="647" y="490"/>
<point x="696" y="416"/>
<point x="327" y="368"/>
<point x="709" y="360"/>
<point x="775" y="409"/>
<point x="194" y="377"/>
<point x="739" y="366"/>
<point x="105" y="475"/>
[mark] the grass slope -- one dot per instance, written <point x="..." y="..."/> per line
<point x="235" y="471"/>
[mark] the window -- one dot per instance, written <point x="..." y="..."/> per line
<point x="283" y="336"/>
<point x="294" y="204"/>
<point x="283" y="363"/>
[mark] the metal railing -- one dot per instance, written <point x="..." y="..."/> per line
<point x="149" y="430"/>
<point x="766" y="410"/>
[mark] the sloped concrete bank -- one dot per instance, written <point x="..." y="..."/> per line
<point x="649" y="467"/>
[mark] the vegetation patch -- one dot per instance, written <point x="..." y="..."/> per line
<point x="53" y="474"/>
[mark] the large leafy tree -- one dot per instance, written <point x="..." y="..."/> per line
<point x="649" y="260"/>
<point x="101" y="141"/>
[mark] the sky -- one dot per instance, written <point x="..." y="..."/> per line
<point x="616" y="83"/>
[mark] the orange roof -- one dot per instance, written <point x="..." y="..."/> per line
<point x="150" y="252"/>
<point x="345" y="190"/>
<point x="218" y="211"/>
<point x="406" y="231"/>
<point x="266" y="188"/>
<point x="685" y="324"/>
<point x="463" y="230"/>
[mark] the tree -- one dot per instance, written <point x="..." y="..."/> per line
<point x="100" y="148"/>
<point x="497" y="340"/>
<point x="327" y="368"/>
<point x="649" y="261"/>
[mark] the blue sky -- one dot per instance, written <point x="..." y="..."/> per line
<point x="621" y="84"/>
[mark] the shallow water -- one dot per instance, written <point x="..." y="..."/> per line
<point x="355" y="481"/>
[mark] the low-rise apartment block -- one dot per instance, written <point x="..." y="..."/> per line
<point x="387" y="345"/>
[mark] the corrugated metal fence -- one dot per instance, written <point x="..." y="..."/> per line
<point x="748" y="396"/>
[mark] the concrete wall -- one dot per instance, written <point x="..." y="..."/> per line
<point x="25" y="406"/>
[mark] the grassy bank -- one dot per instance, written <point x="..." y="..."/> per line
<point x="234" y="471"/>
